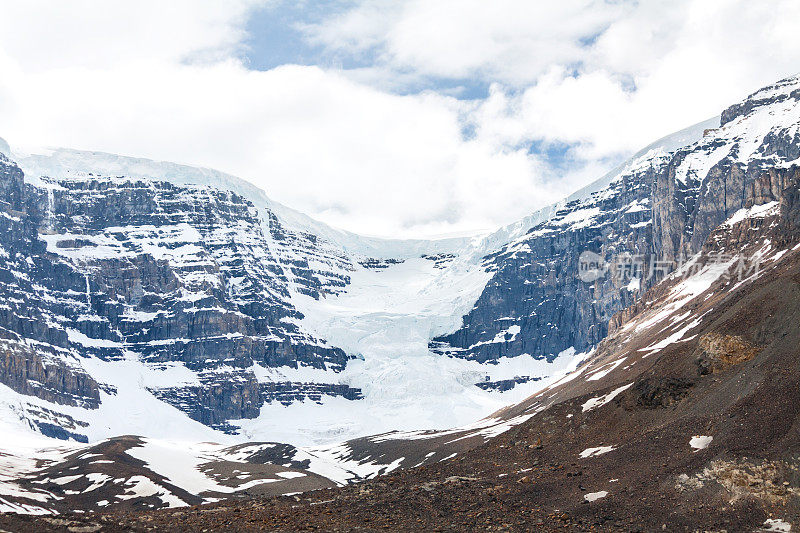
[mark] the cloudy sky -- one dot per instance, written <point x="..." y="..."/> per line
<point x="385" y="117"/>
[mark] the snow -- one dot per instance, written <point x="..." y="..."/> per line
<point x="579" y="218"/>
<point x="7" y="506"/>
<point x="604" y="370"/>
<point x="691" y="284"/>
<point x="22" y="450"/>
<point x="388" y="317"/>
<point x="76" y="336"/>
<point x="97" y="479"/>
<point x="63" y="480"/>
<point x="778" y="525"/>
<point x="594" y="403"/>
<point x="593" y="496"/>
<point x="699" y="162"/>
<point x="637" y="206"/>
<point x="180" y="461"/>
<point x="132" y="410"/>
<point x="757" y="211"/>
<point x="338" y="465"/>
<point x="700" y="442"/>
<point x="672" y="339"/>
<point x="142" y="487"/>
<point x="290" y="475"/>
<point x="594" y="452"/>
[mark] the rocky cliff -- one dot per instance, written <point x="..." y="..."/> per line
<point x="116" y="268"/>
<point x="653" y="215"/>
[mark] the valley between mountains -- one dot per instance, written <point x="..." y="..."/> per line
<point x="179" y="352"/>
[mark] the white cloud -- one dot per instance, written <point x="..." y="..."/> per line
<point x="609" y="75"/>
<point x="47" y="35"/>
<point x="505" y="40"/>
<point x="165" y="81"/>
<point x="353" y="155"/>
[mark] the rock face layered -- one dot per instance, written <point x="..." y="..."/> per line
<point x="116" y="268"/>
<point x="36" y="290"/>
<point x="536" y="304"/>
<point x="653" y="215"/>
<point x="316" y="268"/>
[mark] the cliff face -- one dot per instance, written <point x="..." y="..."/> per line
<point x="660" y="210"/>
<point x="178" y="274"/>
<point x="703" y="184"/>
<point x="34" y="351"/>
<point x="536" y="303"/>
<point x="118" y="268"/>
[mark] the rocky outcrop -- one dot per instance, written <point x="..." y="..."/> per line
<point x="379" y="264"/>
<point x="288" y="392"/>
<point x="26" y="372"/>
<point x="34" y="351"/>
<point x="315" y="268"/>
<point x="503" y="385"/>
<point x="222" y="397"/>
<point x="721" y="352"/>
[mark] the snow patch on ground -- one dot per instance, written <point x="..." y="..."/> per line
<point x="757" y="211"/>
<point x="142" y="487"/>
<point x="778" y="525"/>
<point x="700" y="442"/>
<point x="594" y="403"/>
<point x="604" y="370"/>
<point x="594" y="452"/>
<point x="593" y="496"/>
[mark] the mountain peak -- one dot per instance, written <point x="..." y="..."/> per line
<point x="777" y="92"/>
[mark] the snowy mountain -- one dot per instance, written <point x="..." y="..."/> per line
<point x="660" y="206"/>
<point x="380" y="301"/>
<point x="182" y="305"/>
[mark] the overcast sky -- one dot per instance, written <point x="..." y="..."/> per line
<point x="393" y="118"/>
